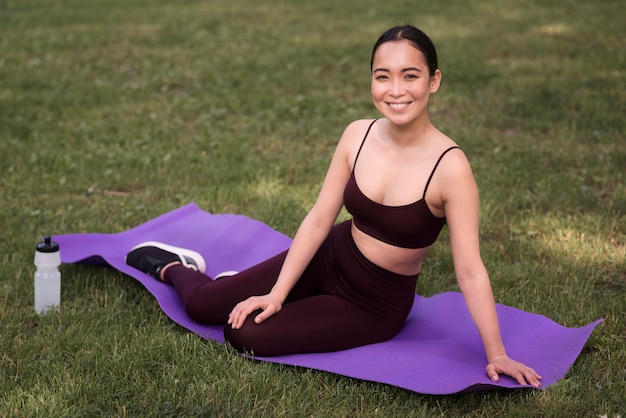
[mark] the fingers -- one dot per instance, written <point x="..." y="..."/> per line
<point x="268" y="311"/>
<point x="519" y="377"/>
<point x="532" y="377"/>
<point x="492" y="373"/>
<point x="522" y="374"/>
<point x="242" y="310"/>
<point x="526" y="375"/>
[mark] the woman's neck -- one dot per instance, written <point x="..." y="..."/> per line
<point x="413" y="134"/>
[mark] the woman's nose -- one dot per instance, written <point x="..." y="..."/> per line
<point x="397" y="89"/>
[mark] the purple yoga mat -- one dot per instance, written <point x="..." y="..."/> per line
<point x="437" y="352"/>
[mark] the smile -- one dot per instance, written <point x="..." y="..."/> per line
<point x="399" y="106"/>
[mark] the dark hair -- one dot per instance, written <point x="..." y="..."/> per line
<point x="416" y="37"/>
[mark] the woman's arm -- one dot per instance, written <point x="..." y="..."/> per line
<point x="310" y="235"/>
<point x="461" y="206"/>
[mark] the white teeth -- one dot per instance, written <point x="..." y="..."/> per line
<point x="398" y="105"/>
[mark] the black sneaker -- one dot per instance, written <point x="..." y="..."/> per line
<point x="150" y="257"/>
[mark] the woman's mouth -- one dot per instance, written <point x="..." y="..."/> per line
<point x="399" y="106"/>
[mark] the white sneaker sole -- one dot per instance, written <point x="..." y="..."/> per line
<point x="180" y="252"/>
<point x="226" y="274"/>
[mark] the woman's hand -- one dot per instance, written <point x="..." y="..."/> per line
<point x="503" y="364"/>
<point x="268" y="303"/>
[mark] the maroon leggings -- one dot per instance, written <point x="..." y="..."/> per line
<point x="342" y="300"/>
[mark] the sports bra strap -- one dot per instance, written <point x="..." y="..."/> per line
<point x="363" y="142"/>
<point x="435" y="168"/>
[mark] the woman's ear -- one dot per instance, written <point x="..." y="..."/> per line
<point x="435" y="81"/>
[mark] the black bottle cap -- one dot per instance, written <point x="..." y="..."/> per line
<point x="47" y="246"/>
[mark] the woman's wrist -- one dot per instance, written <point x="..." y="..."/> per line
<point x="279" y="295"/>
<point x="491" y="358"/>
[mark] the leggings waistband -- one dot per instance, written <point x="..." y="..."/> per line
<point x="348" y="225"/>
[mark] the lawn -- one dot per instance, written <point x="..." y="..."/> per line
<point x="113" y="112"/>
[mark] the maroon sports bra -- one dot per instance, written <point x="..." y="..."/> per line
<point x="406" y="226"/>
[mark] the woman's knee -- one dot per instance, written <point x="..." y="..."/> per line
<point x="242" y="339"/>
<point x="206" y="309"/>
<point x="251" y="338"/>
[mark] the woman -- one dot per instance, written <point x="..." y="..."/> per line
<point x="350" y="284"/>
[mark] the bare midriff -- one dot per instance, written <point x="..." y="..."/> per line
<point x="404" y="261"/>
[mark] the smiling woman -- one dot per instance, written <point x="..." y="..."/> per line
<point x="249" y="99"/>
<point x="402" y="82"/>
<point x="349" y="284"/>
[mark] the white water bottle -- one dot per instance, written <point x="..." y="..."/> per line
<point x="47" y="276"/>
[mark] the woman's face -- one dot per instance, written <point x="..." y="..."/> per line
<point x="401" y="82"/>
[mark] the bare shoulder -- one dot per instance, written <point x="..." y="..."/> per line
<point x="456" y="179"/>
<point x="453" y="162"/>
<point x="353" y="135"/>
<point x="454" y="173"/>
<point x="356" y="130"/>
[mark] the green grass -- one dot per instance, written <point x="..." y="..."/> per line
<point x="114" y="112"/>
